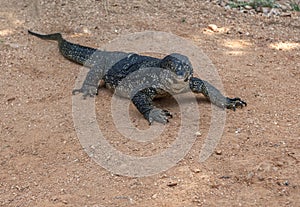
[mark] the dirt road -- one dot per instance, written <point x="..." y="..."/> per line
<point x="42" y="161"/>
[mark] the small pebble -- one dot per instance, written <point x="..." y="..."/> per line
<point x="196" y="170"/>
<point x="265" y="10"/>
<point x="172" y="183"/>
<point x="64" y="202"/>
<point x="198" y="134"/>
<point x="237" y="131"/>
<point x="248" y="7"/>
<point x="282" y="10"/>
<point x="286" y="14"/>
<point x="213" y="27"/>
<point x="279" y="164"/>
<point x="225" y="177"/>
<point x="250" y="175"/>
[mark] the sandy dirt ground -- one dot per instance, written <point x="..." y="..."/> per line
<point x="42" y="161"/>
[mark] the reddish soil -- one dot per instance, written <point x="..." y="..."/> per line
<point x="42" y="162"/>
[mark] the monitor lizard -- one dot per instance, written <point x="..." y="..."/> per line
<point x="140" y="78"/>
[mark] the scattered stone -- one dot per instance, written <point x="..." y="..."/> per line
<point x="225" y="177"/>
<point x="260" y="178"/>
<point x="213" y="27"/>
<point x="258" y="9"/>
<point x="248" y="7"/>
<point x="274" y="12"/>
<point x="86" y="31"/>
<point x="250" y="175"/>
<point x="282" y="9"/>
<point x="265" y="10"/>
<point x="227" y="7"/>
<point x="196" y="170"/>
<point x="164" y="176"/>
<point x="279" y="164"/>
<point x="286" y="14"/>
<point x="238" y="130"/>
<point x="11" y="99"/>
<point x="54" y="199"/>
<point x="288" y="7"/>
<point x="198" y="133"/>
<point x="64" y="202"/>
<point x="223" y="4"/>
<point x="218" y="152"/>
<point x="154" y="196"/>
<point x="172" y="183"/>
<point x="14" y="45"/>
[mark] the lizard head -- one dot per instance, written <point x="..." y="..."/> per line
<point x="179" y="64"/>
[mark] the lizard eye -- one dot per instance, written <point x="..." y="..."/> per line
<point x="180" y="74"/>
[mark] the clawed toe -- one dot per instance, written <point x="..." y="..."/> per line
<point x="233" y="103"/>
<point x="76" y="91"/>
<point x="86" y="91"/>
<point x="167" y="113"/>
<point x="159" y="115"/>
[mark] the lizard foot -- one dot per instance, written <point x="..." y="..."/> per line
<point x="86" y="90"/>
<point x="159" y="115"/>
<point x="233" y="103"/>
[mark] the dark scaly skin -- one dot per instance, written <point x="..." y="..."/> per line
<point x="99" y="61"/>
<point x="214" y="95"/>
<point x="140" y="78"/>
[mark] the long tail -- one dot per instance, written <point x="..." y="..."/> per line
<point x="74" y="52"/>
<point x="54" y="36"/>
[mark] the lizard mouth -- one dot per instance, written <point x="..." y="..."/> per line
<point x="188" y="77"/>
<point x="185" y="77"/>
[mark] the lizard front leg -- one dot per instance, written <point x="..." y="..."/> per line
<point x="143" y="102"/>
<point x="90" y="84"/>
<point x="214" y="95"/>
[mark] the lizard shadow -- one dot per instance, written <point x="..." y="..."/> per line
<point x="172" y="103"/>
